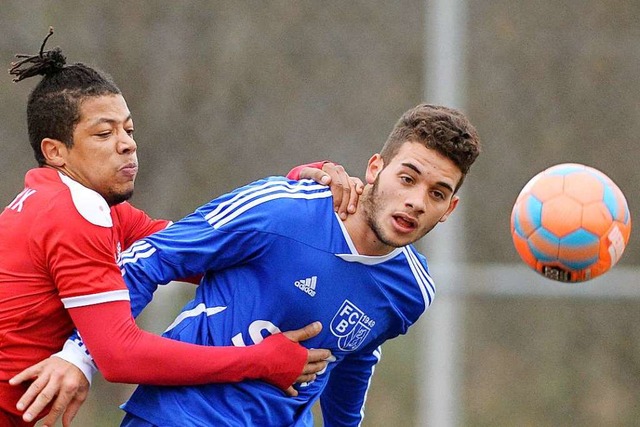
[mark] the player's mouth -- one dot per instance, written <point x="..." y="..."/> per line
<point x="130" y="170"/>
<point x="405" y="223"/>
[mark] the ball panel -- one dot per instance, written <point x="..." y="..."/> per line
<point x="596" y="218"/>
<point x="522" y="247"/>
<point x="579" y="250"/>
<point x="547" y="187"/>
<point x="561" y="215"/>
<point x="544" y="245"/>
<point x="583" y="186"/>
<point x="616" y="203"/>
<point x="527" y="215"/>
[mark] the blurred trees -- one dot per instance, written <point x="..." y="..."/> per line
<point x="224" y="92"/>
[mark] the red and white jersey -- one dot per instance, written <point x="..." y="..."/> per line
<point x="59" y="245"/>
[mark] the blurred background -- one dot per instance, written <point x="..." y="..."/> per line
<point x="225" y="92"/>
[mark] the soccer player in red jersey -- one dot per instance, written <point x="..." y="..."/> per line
<point x="61" y="239"/>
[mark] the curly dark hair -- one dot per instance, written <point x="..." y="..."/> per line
<point x="443" y="129"/>
<point x="53" y="108"/>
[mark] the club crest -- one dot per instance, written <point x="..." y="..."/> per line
<point x="351" y="325"/>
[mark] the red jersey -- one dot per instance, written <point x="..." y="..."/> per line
<point x="60" y="243"/>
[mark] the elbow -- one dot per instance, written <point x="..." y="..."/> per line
<point x="117" y="369"/>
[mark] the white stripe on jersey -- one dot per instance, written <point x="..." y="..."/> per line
<point x="262" y="189"/>
<point x="378" y="354"/>
<point x="83" y="300"/>
<point x="425" y="282"/>
<point x="138" y="250"/>
<point x="133" y="257"/>
<point x="196" y="311"/>
<point x="137" y="246"/>
<point x="252" y="197"/>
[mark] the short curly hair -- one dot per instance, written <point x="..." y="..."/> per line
<point x="443" y="129"/>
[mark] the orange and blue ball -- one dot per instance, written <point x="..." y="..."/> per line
<point x="570" y="223"/>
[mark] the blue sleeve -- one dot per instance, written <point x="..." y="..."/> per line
<point x="191" y="246"/>
<point x="343" y="399"/>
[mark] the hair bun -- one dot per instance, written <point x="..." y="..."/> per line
<point x="55" y="59"/>
<point x="44" y="63"/>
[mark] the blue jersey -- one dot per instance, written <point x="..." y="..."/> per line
<point x="276" y="257"/>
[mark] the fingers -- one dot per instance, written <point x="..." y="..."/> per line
<point x="346" y="190"/>
<point x="72" y="396"/>
<point x="309" y="331"/>
<point x="318" y="355"/>
<point x="357" y="187"/>
<point x="34" y="392"/>
<point x="312" y="368"/>
<point x="317" y="359"/>
<point x="306" y="378"/>
<point x="340" y="188"/>
<point x="45" y="394"/>
<point x="28" y="374"/>
<point x="56" y="379"/>
<point x="315" y="174"/>
<point x="291" y="392"/>
<point x="72" y="410"/>
<point x="57" y="408"/>
<point x="315" y="365"/>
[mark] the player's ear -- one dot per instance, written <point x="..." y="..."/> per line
<point x="374" y="167"/>
<point x="452" y="205"/>
<point x="54" y="151"/>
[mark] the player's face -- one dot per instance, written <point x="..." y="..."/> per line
<point x="409" y="196"/>
<point x="103" y="156"/>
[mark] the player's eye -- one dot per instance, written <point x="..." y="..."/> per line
<point x="439" y="195"/>
<point x="406" y="179"/>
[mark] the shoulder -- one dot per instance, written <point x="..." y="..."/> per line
<point x="419" y="271"/>
<point x="412" y="253"/>
<point x="88" y="203"/>
<point x="52" y="197"/>
<point x="273" y="198"/>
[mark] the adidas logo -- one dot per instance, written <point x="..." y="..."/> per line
<point x="307" y="285"/>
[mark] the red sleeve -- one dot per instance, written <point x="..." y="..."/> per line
<point x="124" y="353"/>
<point x="295" y="172"/>
<point x="77" y="254"/>
<point x="136" y="224"/>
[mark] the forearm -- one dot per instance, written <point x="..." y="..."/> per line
<point x="343" y="398"/>
<point x="125" y="353"/>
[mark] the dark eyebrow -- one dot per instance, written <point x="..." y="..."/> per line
<point x="445" y="185"/>
<point x="414" y="168"/>
<point x="110" y="121"/>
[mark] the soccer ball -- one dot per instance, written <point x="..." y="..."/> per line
<point x="570" y="223"/>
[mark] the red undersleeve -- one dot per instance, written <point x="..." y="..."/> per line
<point x="124" y="353"/>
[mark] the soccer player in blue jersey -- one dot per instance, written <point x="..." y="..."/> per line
<point x="276" y="257"/>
